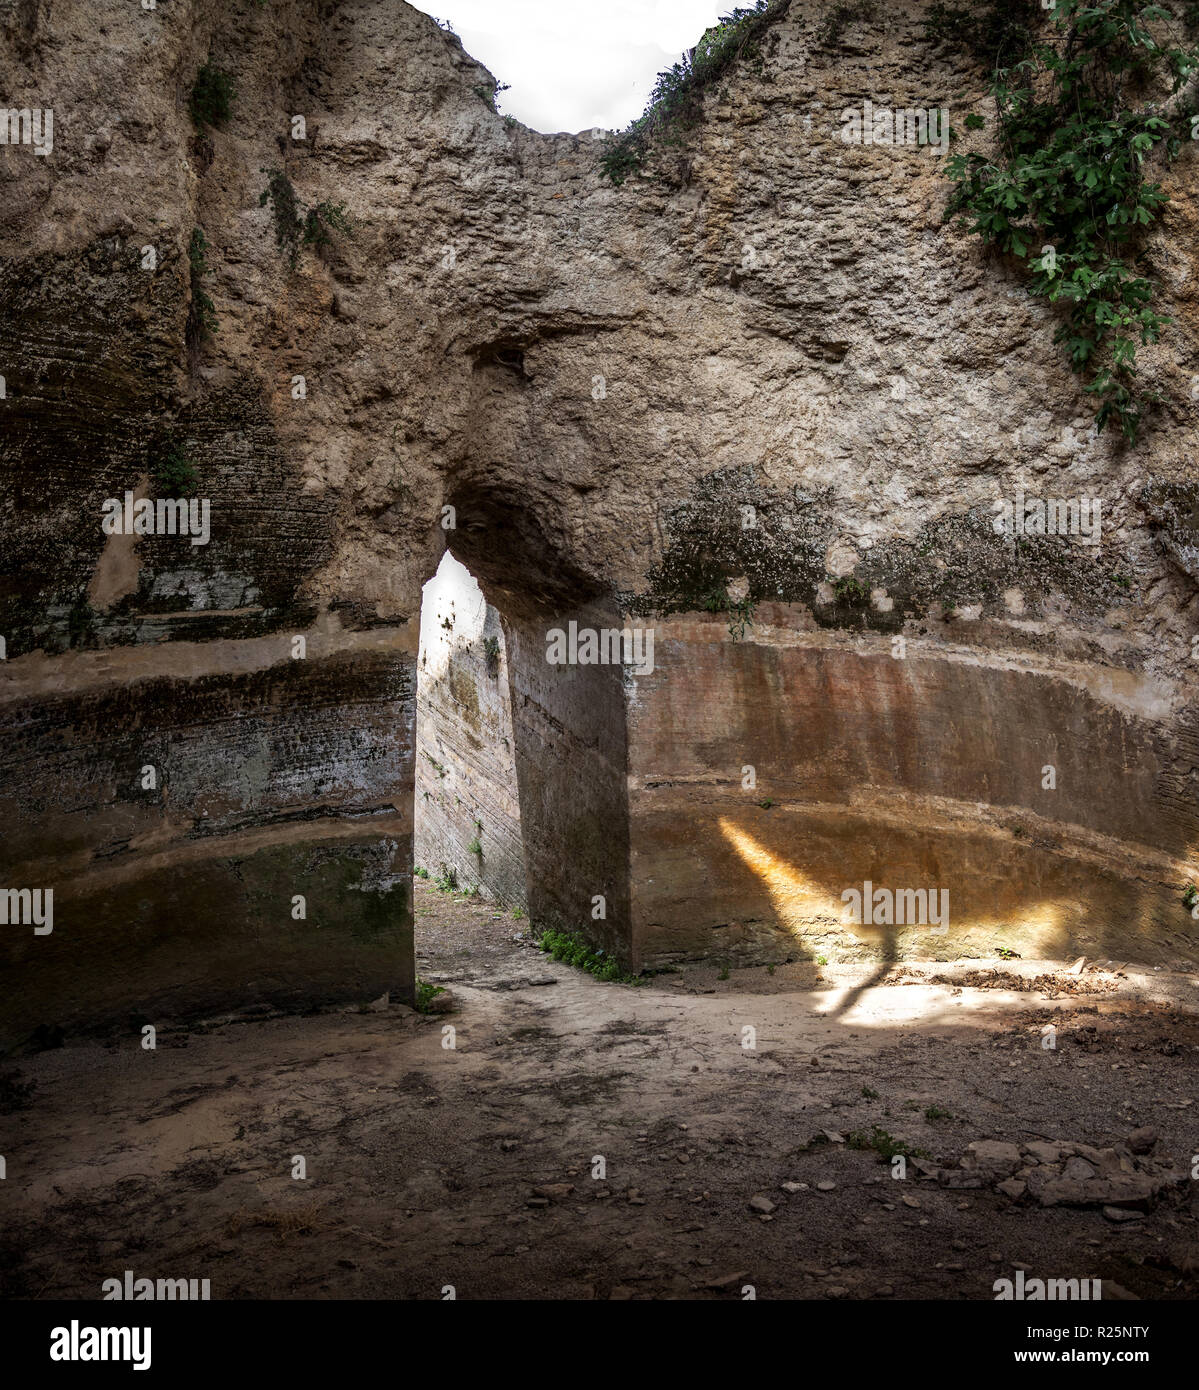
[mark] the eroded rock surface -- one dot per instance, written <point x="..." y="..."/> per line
<point x="762" y="400"/>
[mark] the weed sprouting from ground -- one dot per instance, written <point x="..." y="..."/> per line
<point x="884" y="1144"/>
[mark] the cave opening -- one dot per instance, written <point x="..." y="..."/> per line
<point x="521" y="762"/>
<point x="466" y="824"/>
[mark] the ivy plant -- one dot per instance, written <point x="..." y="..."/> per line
<point x="1066" y="192"/>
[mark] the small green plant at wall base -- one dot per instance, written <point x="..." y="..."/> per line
<point x="766" y="805"/>
<point x="174" y="473"/>
<point x="1006" y="953"/>
<point x="1065" y="190"/>
<point x="425" y="994"/>
<point x="211" y="100"/>
<point x="1190" y="897"/>
<point x="518" y="913"/>
<point x="822" y="960"/>
<point x="934" y="1112"/>
<point x="447" y="880"/>
<point x="421" y="873"/>
<point x="974" y="121"/>
<point x="573" y="950"/>
<point x="869" y="1093"/>
<point x="475" y="847"/>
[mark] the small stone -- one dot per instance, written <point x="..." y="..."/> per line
<point x="995" y="1156"/>
<point x="910" y="1201"/>
<point x="552" y="1190"/>
<point x="1142" y="1140"/>
<point x="1044" y="1152"/>
<point x="793" y="1187"/>
<point x="1122" y="1214"/>
<point x="963" y="1180"/>
<point x="1013" y="1188"/>
<point x="1078" y="1170"/>
<point x="826" y="1186"/>
<point x="761" y="1204"/>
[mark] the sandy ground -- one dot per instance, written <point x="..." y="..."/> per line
<point x="422" y="1159"/>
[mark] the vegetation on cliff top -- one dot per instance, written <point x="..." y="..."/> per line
<point x="676" y="102"/>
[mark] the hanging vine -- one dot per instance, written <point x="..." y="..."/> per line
<point x="1080" y="114"/>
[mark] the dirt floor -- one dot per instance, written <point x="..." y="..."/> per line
<point x="473" y="1166"/>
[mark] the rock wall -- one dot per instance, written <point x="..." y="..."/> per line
<point x="467" y="803"/>
<point x="599" y="381"/>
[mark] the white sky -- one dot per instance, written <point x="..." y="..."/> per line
<point x="574" y="64"/>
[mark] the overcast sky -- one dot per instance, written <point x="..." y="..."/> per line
<point x="574" y="64"/>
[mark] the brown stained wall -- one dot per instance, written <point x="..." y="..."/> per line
<point x="917" y="772"/>
<point x="176" y="899"/>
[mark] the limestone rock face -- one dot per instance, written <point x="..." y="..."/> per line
<point x="761" y="402"/>
<point x="468" y="828"/>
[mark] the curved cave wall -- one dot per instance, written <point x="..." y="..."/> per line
<point x="599" y="382"/>
<point x="1040" y="797"/>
